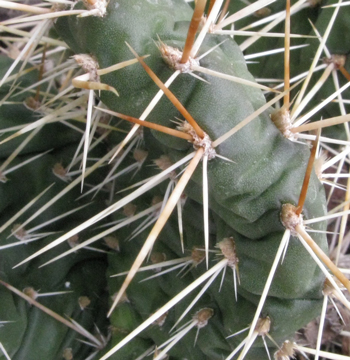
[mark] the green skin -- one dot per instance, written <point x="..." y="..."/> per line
<point x="245" y="197"/>
<point x="30" y="333"/>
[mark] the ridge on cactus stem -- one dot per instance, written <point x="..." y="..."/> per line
<point x="155" y="105"/>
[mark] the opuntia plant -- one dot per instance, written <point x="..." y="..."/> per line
<point x="210" y="208"/>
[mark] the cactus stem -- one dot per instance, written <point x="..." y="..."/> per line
<point x="18" y="166"/>
<point x="172" y="57"/>
<point x="57" y="218"/>
<point x="136" y="166"/>
<point x="9" y="94"/>
<point x="46" y="119"/>
<point x="281" y="249"/>
<point x="146" y="112"/>
<point x="109" y="177"/>
<point x="150" y="125"/>
<point x="261" y="328"/>
<point x="155" y="181"/>
<point x="248" y="119"/>
<point x="150" y="184"/>
<point x="235" y="351"/>
<point x="57" y="197"/>
<point x="181" y="264"/>
<point x="210" y="50"/>
<point x="188" y="262"/>
<point x="7" y="356"/>
<point x="110" y="230"/>
<point x="153" y="217"/>
<point x="238" y="332"/>
<point x="92" y="80"/>
<point x="24" y="209"/>
<point x="164" y="309"/>
<point x="192" y="30"/>
<point x="174" y="198"/>
<point x="200" y="319"/>
<point x="119" y="66"/>
<point x="200" y="294"/>
<point x="169" y="94"/>
<point x="232" y="78"/>
<point x="73" y="325"/>
<point x="18" y="150"/>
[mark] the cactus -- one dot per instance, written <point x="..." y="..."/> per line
<point x="246" y="172"/>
